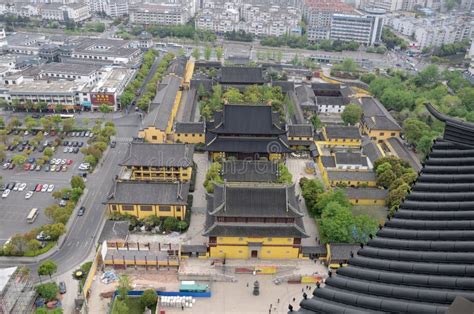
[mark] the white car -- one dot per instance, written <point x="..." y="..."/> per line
<point x="58" y="162"/>
<point x="53" y="168"/>
<point x="5" y="193"/>
<point x="91" y="134"/>
<point x="46" y="134"/>
<point x="6" y="165"/>
<point x="50" y="188"/>
<point x="63" y="161"/>
<point x="17" y="185"/>
<point x="29" y="194"/>
<point x="44" y="188"/>
<point x="52" y="161"/>
<point x="65" y="150"/>
<point x="22" y="187"/>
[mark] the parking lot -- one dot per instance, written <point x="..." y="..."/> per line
<point x="14" y="208"/>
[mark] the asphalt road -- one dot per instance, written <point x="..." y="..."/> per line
<point x="82" y="236"/>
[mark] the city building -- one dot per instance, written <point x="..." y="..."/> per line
<point x="300" y="135"/>
<point x="189" y="132"/>
<point x="87" y="73"/>
<point x="245" y="220"/>
<point x="158" y="162"/>
<point x="331" y="98"/>
<point x="414" y="262"/>
<point x="108" y="89"/>
<point x="16" y="290"/>
<point x="76" y="12"/>
<point x="318" y="14"/>
<point x="149" y="198"/>
<point x="255" y="18"/>
<point x="377" y="122"/>
<point x="103" y="51"/>
<point x="341" y="136"/>
<point x="112" y="8"/>
<point x="350" y="178"/>
<point x="387" y="5"/>
<point x="246" y="131"/>
<point x="162" y="14"/>
<point x="157" y="126"/>
<point x="366" y="196"/>
<point x="365" y="29"/>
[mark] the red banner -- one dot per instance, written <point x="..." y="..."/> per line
<point x="98" y="99"/>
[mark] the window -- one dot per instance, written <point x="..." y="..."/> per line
<point x="382" y="133"/>
<point x="154" y="137"/>
<point x="164" y="208"/>
<point x="127" y="207"/>
<point x="146" y="208"/>
<point x="178" y="208"/>
<point x="392" y="134"/>
<point x="357" y="201"/>
<point x="114" y="207"/>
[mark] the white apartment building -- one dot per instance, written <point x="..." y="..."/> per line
<point x="432" y="32"/>
<point x="318" y="14"/>
<point x="364" y="29"/>
<point x="163" y="14"/>
<point x="112" y="8"/>
<point x="258" y="19"/>
<point x="387" y="5"/>
<point x="76" y="12"/>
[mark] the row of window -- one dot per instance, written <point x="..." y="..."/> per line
<point x="145" y="208"/>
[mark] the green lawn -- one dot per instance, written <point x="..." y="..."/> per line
<point x="134" y="306"/>
<point x="377" y="212"/>
<point x="48" y="247"/>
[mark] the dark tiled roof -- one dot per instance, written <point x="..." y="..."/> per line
<point x="162" y="105"/>
<point x="149" y="193"/>
<point x="177" y="66"/>
<point x="300" y="130"/>
<point x="325" y="86"/>
<point x="187" y="248"/>
<point x="342" y="251"/>
<point x="376" y="116"/>
<point x="318" y="249"/>
<point x="366" y="193"/>
<point x="247" y="144"/>
<point x="285" y="86"/>
<point x="423" y="257"/>
<point x="363" y="176"/>
<point x="305" y="96"/>
<point x="330" y="101"/>
<point x="347" y="132"/>
<point x="344" y="158"/>
<point x="250" y="171"/>
<point x="403" y="153"/>
<point x="328" y="161"/>
<point x="241" y="75"/>
<point x="189" y="127"/>
<point x="246" y="119"/>
<point x="159" y="155"/>
<point x="250" y="200"/>
<point x="255" y="230"/>
<point x="371" y="150"/>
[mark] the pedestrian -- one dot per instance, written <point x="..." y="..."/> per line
<point x="247" y="284"/>
<point x="278" y="301"/>
<point x="302" y="289"/>
<point x="270" y="307"/>
<point x="270" y="311"/>
<point x="294" y="299"/>
<point x="182" y="307"/>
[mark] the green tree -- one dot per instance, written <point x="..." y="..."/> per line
<point x="48" y="290"/>
<point x="207" y="52"/>
<point x="213" y="175"/>
<point x="336" y="223"/>
<point x="351" y="114"/>
<point x="428" y="77"/>
<point x="124" y="285"/>
<point x="170" y="224"/>
<point x="316" y="122"/>
<point x="126" y="98"/>
<point x="59" y="108"/>
<point x="68" y="125"/>
<point x="424" y="144"/>
<point x="77" y="182"/>
<point x="54" y="230"/>
<point x="414" y="130"/>
<point x="233" y="95"/>
<point x="47" y="123"/>
<point x="219" y="52"/>
<point x="467" y="97"/>
<point x="148" y="298"/>
<point x="363" y="227"/>
<point x="48" y="151"/>
<point x="386" y="178"/>
<point x="19" y="159"/>
<point x="120" y="307"/>
<point x="311" y="189"/>
<point x="196" y="53"/>
<point x="336" y="195"/>
<point x="33" y="245"/>
<point x="47" y="267"/>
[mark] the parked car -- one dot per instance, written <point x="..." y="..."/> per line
<point x="44" y="188"/>
<point x="80" y="144"/>
<point x="81" y="211"/>
<point x="17" y="186"/>
<point x="69" y="162"/>
<point x="52" y="161"/>
<point x="50" y="188"/>
<point x="53" y="168"/>
<point x="12" y="166"/>
<point x="63" y="161"/>
<point x="38" y="167"/>
<point x="38" y="187"/>
<point x="62" y="203"/>
<point x="113" y="144"/>
<point x="76" y="150"/>
<point x="91" y="134"/>
<point x="32" y="187"/>
<point x="87" y="133"/>
<point x="28" y="195"/>
<point x="6" y="165"/>
<point x="46" y="168"/>
<point x="26" y="167"/>
<point x="65" y="150"/>
<point x="58" y="168"/>
<point x="74" y="144"/>
<point x="64" y="168"/>
<point x="43" y="236"/>
<point x="5" y="193"/>
<point x="22" y="187"/>
<point x="32" y="167"/>
<point x="62" y="287"/>
<point x="65" y="143"/>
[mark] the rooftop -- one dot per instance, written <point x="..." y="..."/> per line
<point x="46" y="87"/>
<point x="149" y="193"/>
<point x="69" y="68"/>
<point x="344" y="158"/>
<point x="362" y="176"/>
<point x="250" y="171"/>
<point x="376" y="116"/>
<point x="159" y="155"/>
<point x="366" y="193"/>
<point x="343" y="132"/>
<point x="241" y="75"/>
<point x="162" y="105"/>
<point x="300" y="130"/>
<point x="189" y="127"/>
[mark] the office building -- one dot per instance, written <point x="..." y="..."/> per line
<point x="365" y="29"/>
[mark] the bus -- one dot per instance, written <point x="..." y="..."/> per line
<point x="67" y="116"/>
<point x="32" y="215"/>
<point x="192" y="286"/>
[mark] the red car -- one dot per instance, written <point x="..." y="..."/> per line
<point x="26" y="167"/>
<point x="38" y="187"/>
<point x="69" y="162"/>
